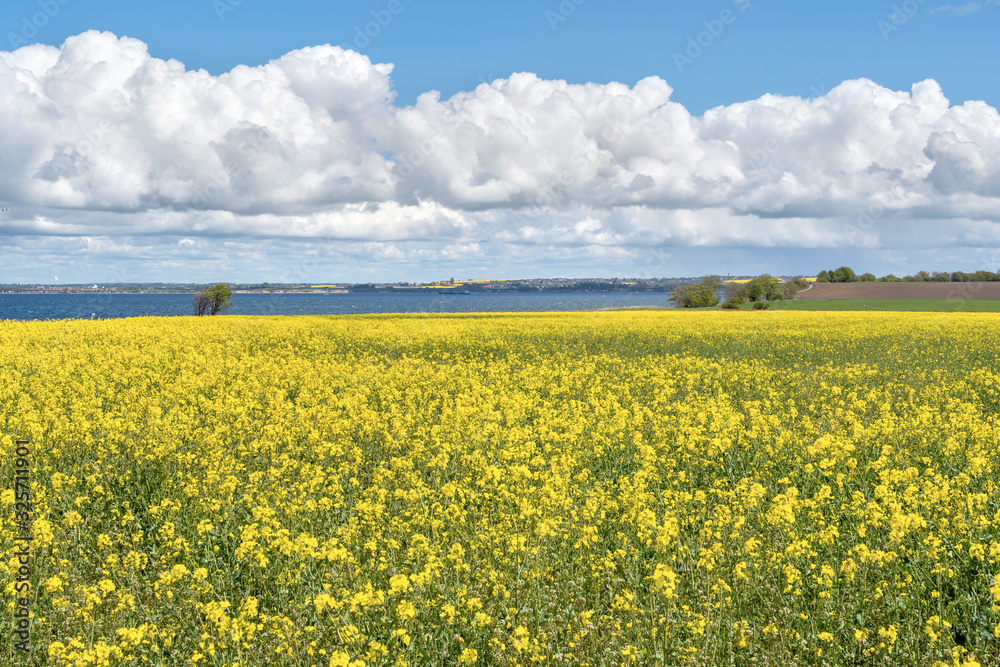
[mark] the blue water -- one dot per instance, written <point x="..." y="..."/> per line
<point x="108" y="306"/>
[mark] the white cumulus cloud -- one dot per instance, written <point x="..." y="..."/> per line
<point x="99" y="139"/>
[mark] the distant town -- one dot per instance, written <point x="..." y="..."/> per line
<point x="450" y="286"/>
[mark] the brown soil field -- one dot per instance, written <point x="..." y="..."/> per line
<point x="829" y="291"/>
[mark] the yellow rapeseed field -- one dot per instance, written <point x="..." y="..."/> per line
<point x="745" y="488"/>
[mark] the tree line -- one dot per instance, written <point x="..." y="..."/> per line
<point x="846" y="275"/>
<point x="760" y="291"/>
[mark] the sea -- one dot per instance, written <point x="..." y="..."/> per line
<point x="23" y="306"/>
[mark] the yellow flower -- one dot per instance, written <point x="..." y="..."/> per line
<point x="840" y="455"/>
<point x="406" y="610"/>
<point x="448" y="613"/>
<point x="399" y="583"/>
<point x="521" y="639"/>
<point x="322" y="601"/>
<point x="665" y="581"/>
<point x="339" y="659"/>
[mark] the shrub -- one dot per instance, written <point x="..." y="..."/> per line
<point x="702" y="295"/>
<point x="761" y="305"/>
<point x="732" y="303"/>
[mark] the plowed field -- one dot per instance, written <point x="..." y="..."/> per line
<point x="828" y="291"/>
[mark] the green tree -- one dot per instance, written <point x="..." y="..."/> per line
<point x="701" y="295"/>
<point x="214" y="300"/>
<point x="764" y="288"/>
<point x="712" y="282"/>
<point x="792" y="287"/>
<point x="866" y="278"/>
<point x="823" y="277"/>
<point x="844" y="274"/>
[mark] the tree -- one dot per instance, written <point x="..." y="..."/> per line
<point x="753" y="291"/>
<point x="201" y="303"/>
<point x="214" y="300"/>
<point x="844" y="274"/>
<point x="734" y="292"/>
<point x="866" y="278"/>
<point x="693" y="296"/>
<point x="712" y="282"/>
<point x="701" y="295"/>
<point x="791" y="288"/>
<point x="764" y="288"/>
<point x="823" y="277"/>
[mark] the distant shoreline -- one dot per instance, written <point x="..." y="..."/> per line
<point x="391" y="292"/>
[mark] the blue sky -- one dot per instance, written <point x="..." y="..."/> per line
<point x="783" y="47"/>
<point x="516" y="211"/>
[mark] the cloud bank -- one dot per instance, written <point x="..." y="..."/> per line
<point x="100" y="140"/>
